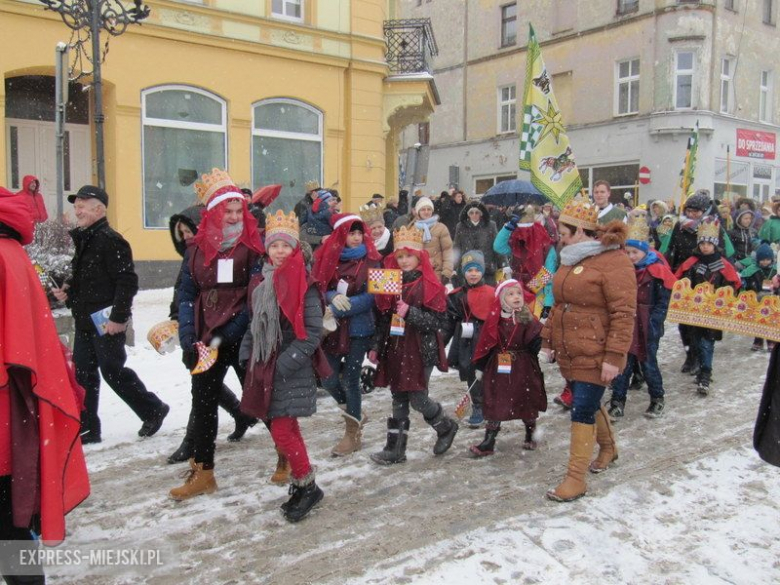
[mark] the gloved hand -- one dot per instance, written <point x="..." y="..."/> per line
<point x="512" y="223"/>
<point x="189" y="357"/>
<point x="342" y="303"/>
<point x="478" y="374"/>
<point x="402" y="309"/>
<point x="507" y="271"/>
<point x="545" y="313"/>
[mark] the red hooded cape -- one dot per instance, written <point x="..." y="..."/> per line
<point x="290" y="284"/>
<point x="530" y="246"/>
<point x="326" y="257"/>
<point x="209" y="236"/>
<point x="435" y="295"/>
<point x="34" y="199"/>
<point x="488" y="336"/>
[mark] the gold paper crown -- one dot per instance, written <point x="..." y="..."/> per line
<point x="408" y="237"/>
<point x="371" y="213"/>
<point x="580" y="213"/>
<point x="312" y="185"/>
<point x="276" y="223"/>
<point x="638" y="229"/>
<point x="708" y="231"/>
<point x="706" y="306"/>
<point x="211" y="182"/>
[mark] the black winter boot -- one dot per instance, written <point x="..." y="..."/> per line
<point x="656" y="408"/>
<point x="395" y="448"/>
<point x="529" y="444"/>
<point x="616" y="409"/>
<point x="690" y="359"/>
<point x="638" y="380"/>
<point x="231" y="404"/>
<point x="486" y="447"/>
<point x="703" y="381"/>
<point x="446" y="429"/>
<point x="304" y="495"/>
<point x="187" y="448"/>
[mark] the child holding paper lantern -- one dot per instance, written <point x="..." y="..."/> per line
<point x="408" y="345"/>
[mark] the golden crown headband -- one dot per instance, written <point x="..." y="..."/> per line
<point x="708" y="230"/>
<point x="579" y="213"/>
<point x="411" y="238"/>
<point x="639" y="230"/>
<point x="276" y="223"/>
<point x="218" y="183"/>
<point x="372" y="213"/>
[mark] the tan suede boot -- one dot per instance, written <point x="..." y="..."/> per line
<point x="606" y="439"/>
<point x="199" y="481"/>
<point x="581" y="450"/>
<point x="351" y="441"/>
<point x="282" y="474"/>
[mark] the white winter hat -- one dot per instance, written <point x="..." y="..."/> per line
<point x="423" y="202"/>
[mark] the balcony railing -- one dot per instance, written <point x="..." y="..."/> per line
<point x="410" y="45"/>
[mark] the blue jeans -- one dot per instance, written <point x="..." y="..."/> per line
<point x="706" y="349"/>
<point x="344" y="384"/>
<point x="650" y="370"/>
<point x="586" y="402"/>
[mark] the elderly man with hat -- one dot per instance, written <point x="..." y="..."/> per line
<point x="104" y="281"/>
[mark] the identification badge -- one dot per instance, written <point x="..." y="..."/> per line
<point x="466" y="330"/>
<point x="342" y="287"/>
<point x="225" y="270"/>
<point x="505" y="363"/>
<point x="767" y="285"/>
<point x="578" y="270"/>
<point x="397" y="325"/>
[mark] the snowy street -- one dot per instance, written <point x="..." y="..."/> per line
<point x="688" y="501"/>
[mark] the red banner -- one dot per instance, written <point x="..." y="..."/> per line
<point x="755" y="144"/>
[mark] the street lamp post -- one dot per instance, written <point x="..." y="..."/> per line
<point x="89" y="17"/>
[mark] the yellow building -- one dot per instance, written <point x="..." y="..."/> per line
<point x="276" y="91"/>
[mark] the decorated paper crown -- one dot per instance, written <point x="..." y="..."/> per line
<point x="708" y="231"/>
<point x="706" y="306"/>
<point x="580" y="213"/>
<point x="372" y="213"/>
<point x="312" y="185"/>
<point x="638" y="229"/>
<point x="279" y="223"/>
<point x="215" y="187"/>
<point x="408" y="237"/>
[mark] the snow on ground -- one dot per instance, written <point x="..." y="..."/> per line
<point x="688" y="501"/>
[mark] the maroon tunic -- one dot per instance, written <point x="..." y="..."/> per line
<point x="401" y="364"/>
<point x="519" y="394"/>
<point x="644" y="298"/>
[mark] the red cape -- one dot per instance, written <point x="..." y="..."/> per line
<point x="729" y="272"/>
<point x="480" y="300"/>
<point x="28" y="339"/>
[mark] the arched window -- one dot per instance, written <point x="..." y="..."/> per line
<point x="184" y="136"/>
<point x="286" y="148"/>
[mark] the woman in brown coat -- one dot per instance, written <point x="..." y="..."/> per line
<point x="589" y="333"/>
<point x="436" y="239"/>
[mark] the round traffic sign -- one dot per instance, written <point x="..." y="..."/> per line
<point x="644" y="175"/>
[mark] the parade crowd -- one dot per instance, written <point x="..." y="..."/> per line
<point x="285" y="300"/>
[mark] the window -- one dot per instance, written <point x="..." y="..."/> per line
<point x="627" y="6"/>
<point x="683" y="80"/>
<point x="768" y="13"/>
<point x="726" y="75"/>
<point x="735" y="184"/>
<point x="424" y="133"/>
<point x="730" y="5"/>
<point x="762" y="183"/>
<point x="288" y="9"/>
<point x="507" y="104"/>
<point x="286" y="148"/>
<point x="509" y="25"/>
<point x="627" y="87"/>
<point x="482" y="184"/>
<point x="184" y="136"/>
<point x="621" y="177"/>
<point x="765" y="98"/>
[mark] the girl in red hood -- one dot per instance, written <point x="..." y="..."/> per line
<point x="31" y="188"/>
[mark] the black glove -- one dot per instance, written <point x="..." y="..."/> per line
<point x="189" y="357"/>
<point x="511" y="225"/>
<point x="545" y="313"/>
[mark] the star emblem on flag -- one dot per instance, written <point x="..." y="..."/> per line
<point x="551" y="122"/>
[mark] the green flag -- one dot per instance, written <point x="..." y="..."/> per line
<point x="688" y="173"/>
<point x="545" y="151"/>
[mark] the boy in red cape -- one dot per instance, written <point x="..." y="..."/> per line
<point x="43" y="475"/>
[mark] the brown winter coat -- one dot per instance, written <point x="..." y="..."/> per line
<point x="592" y="320"/>
<point x="440" y="250"/>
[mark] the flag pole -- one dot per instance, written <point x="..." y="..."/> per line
<point x="685" y="178"/>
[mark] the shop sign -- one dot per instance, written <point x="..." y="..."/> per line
<point x="755" y="144"/>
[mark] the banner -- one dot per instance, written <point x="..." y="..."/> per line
<point x="688" y="172"/>
<point x="545" y="150"/>
<point x="755" y="144"/>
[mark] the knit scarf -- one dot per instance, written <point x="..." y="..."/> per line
<point x="353" y="253"/>
<point x="265" y="327"/>
<point x="575" y="253"/>
<point x="383" y="240"/>
<point x="651" y="257"/>
<point x="711" y="263"/>
<point x="425" y="225"/>
<point x="230" y="235"/>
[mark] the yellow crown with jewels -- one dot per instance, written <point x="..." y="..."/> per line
<point x="212" y="182"/>
<point x="370" y="213"/>
<point x="638" y="229"/>
<point x="706" y="306"/>
<point x="580" y="213"/>
<point x="708" y="231"/>
<point x="279" y="223"/>
<point x="408" y="237"/>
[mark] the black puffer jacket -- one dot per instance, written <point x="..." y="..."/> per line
<point x="103" y="275"/>
<point x="476" y="237"/>
<point x="191" y="218"/>
<point x="450" y="213"/>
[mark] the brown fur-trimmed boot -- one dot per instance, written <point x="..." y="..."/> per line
<point x="353" y="433"/>
<point x="198" y="481"/>
<point x="606" y="439"/>
<point x="281" y="475"/>
<point x="580" y="451"/>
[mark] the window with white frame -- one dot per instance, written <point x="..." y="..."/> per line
<point x="184" y="136"/>
<point x="288" y="9"/>
<point x="509" y="24"/>
<point x="507" y="104"/>
<point x="726" y="76"/>
<point x="765" y="98"/>
<point x="627" y="95"/>
<point x="684" y="69"/>
<point x="286" y="147"/>
<point x="731" y="179"/>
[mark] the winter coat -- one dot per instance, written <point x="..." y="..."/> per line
<point x="318" y="222"/>
<point x="359" y="319"/>
<point x="191" y="218"/>
<point x="440" y="251"/>
<point x="459" y="311"/>
<point x="390" y="215"/>
<point x="651" y="306"/>
<point x="744" y="240"/>
<point x="683" y="244"/>
<point x="476" y="237"/>
<point x="754" y="276"/>
<point x="766" y="435"/>
<point x="295" y="386"/>
<point x="34" y="199"/>
<point x="451" y="213"/>
<point x="592" y="321"/>
<point x="302" y="208"/>
<point x="103" y="275"/>
<point x="770" y="230"/>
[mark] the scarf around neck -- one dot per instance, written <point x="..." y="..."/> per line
<point x="425" y="225"/>
<point x="650" y="258"/>
<point x="383" y="240"/>
<point x="353" y="253"/>
<point x="265" y="327"/>
<point x="230" y="235"/>
<point x="575" y="253"/>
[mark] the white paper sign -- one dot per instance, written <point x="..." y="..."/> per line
<point x="225" y="270"/>
<point x="466" y="330"/>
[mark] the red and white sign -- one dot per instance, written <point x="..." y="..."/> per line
<point x="755" y="144"/>
<point x="644" y="175"/>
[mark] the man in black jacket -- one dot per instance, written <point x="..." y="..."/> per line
<point x="104" y="278"/>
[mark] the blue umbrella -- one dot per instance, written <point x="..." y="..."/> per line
<point x="513" y="192"/>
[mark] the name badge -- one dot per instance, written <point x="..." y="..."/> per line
<point x="466" y="330"/>
<point x="397" y="325"/>
<point x="225" y="270"/>
<point x="342" y="287"/>
<point x="505" y="363"/>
